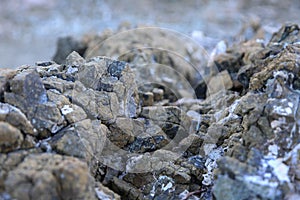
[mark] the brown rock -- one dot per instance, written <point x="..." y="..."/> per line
<point x="10" y="138"/>
<point x="5" y="76"/>
<point x="62" y="177"/>
<point x="126" y="190"/>
<point x="122" y="132"/>
<point x="221" y="81"/>
<point x="147" y="98"/>
<point x="73" y="113"/>
<point x="84" y="139"/>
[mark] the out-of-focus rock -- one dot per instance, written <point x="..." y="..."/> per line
<point x="288" y="34"/>
<point x="147" y="98"/>
<point x="104" y="193"/>
<point x="131" y="46"/>
<point x="10" y="138"/>
<point x="65" y="46"/>
<point x="221" y="81"/>
<point x="5" y="76"/>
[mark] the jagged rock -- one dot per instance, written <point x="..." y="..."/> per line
<point x="84" y="139"/>
<point x="61" y="176"/>
<point x="122" y="132"/>
<point x="43" y="115"/>
<point x="73" y="113"/>
<point x="133" y="132"/>
<point x="114" y="92"/>
<point x="288" y="33"/>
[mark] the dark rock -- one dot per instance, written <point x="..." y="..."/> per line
<point x="115" y="68"/>
<point x="65" y="46"/>
<point x="147" y="98"/>
<point x="288" y="33"/>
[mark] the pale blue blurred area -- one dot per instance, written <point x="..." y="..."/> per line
<point x="29" y="28"/>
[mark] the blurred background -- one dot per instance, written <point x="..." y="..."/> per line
<point x="29" y="29"/>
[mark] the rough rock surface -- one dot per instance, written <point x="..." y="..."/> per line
<point x="106" y="128"/>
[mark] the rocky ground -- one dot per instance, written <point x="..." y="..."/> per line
<point x="148" y="114"/>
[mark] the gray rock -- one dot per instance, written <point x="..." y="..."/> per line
<point x="15" y="117"/>
<point x="43" y="115"/>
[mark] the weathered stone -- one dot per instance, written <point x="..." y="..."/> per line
<point x="10" y="138"/>
<point x="107" y="76"/>
<point x="122" y="132"/>
<point x="285" y="60"/>
<point x="130" y="123"/>
<point x="56" y="83"/>
<point x="56" y="97"/>
<point x="288" y="33"/>
<point x="74" y="59"/>
<point x="15" y="117"/>
<point x="5" y="76"/>
<point x="43" y="115"/>
<point x="148" y="143"/>
<point x="191" y="144"/>
<point x="38" y="173"/>
<point x="170" y="114"/>
<point x="99" y="105"/>
<point x="147" y="98"/>
<point x="84" y="139"/>
<point x="126" y="190"/>
<point x="73" y="113"/>
<point x="221" y="81"/>
<point x="139" y="179"/>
